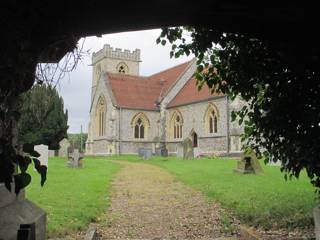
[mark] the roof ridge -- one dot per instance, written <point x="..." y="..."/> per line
<point x="130" y="75"/>
<point x="167" y="69"/>
<point x="178" y="79"/>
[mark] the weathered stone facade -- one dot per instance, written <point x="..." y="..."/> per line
<point x="126" y="129"/>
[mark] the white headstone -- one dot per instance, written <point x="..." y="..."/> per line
<point x="43" y="151"/>
<point x="179" y="150"/>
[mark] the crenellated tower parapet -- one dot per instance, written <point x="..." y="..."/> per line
<point x="109" y="52"/>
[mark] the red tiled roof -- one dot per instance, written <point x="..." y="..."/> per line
<point x="169" y="76"/>
<point x="189" y="94"/>
<point x="140" y="92"/>
<point x="134" y="91"/>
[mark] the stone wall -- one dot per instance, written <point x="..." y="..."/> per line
<point x="128" y="143"/>
<point x="235" y="130"/>
<point x="127" y="129"/>
<point x="111" y="123"/>
<point x="194" y="121"/>
<point x="131" y="147"/>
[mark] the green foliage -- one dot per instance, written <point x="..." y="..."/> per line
<point x="280" y="83"/>
<point x="43" y="120"/>
<point x="70" y="191"/>
<point x="78" y="140"/>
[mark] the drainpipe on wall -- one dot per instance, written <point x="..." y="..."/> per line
<point x="119" y="133"/>
<point x="228" y="126"/>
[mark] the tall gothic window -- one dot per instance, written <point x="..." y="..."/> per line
<point x="213" y="123"/>
<point x="176" y="125"/>
<point x="211" y="119"/>
<point x="101" y="117"/>
<point x="139" y="129"/>
<point x="140" y="124"/>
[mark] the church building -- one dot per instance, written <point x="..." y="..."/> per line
<point x="129" y="111"/>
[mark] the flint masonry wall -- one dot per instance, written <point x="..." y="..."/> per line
<point x="194" y="120"/>
<point x="130" y="145"/>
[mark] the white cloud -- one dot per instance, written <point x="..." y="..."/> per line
<point x="75" y="88"/>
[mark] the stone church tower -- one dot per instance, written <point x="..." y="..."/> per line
<point x="114" y="61"/>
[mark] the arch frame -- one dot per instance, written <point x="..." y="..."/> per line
<point x="215" y="122"/>
<point x="101" y="116"/>
<point x="145" y="122"/>
<point x="176" y="128"/>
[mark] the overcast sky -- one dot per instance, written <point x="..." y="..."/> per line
<point x="75" y="88"/>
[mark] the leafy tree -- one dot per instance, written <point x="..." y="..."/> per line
<point x="279" y="81"/>
<point x="43" y="120"/>
<point x="78" y="140"/>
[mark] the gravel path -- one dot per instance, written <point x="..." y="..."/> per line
<point x="148" y="203"/>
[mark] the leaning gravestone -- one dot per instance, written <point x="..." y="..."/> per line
<point x="188" y="149"/>
<point x="43" y="151"/>
<point x="249" y="164"/>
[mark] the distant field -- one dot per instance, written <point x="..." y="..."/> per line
<point x="72" y="197"/>
<point x="266" y="200"/>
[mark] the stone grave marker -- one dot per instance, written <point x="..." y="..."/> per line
<point x="249" y="164"/>
<point x="180" y="150"/>
<point x="63" y="150"/>
<point x="16" y="210"/>
<point x="161" y="151"/>
<point x="188" y="149"/>
<point x="145" y="153"/>
<point x="140" y="152"/>
<point x="75" y="159"/>
<point x="43" y="151"/>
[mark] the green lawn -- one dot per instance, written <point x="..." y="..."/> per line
<point x="72" y="197"/>
<point x="266" y="200"/>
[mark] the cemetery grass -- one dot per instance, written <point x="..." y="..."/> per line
<point x="72" y="197"/>
<point x="266" y="201"/>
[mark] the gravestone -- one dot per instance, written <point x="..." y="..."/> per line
<point x="63" y="150"/>
<point x="316" y="219"/>
<point x="140" y="152"/>
<point x="188" y="149"/>
<point x="70" y="151"/>
<point x="43" y="151"/>
<point x="75" y="159"/>
<point x="161" y="151"/>
<point x="145" y="153"/>
<point x="16" y="210"/>
<point x="249" y="164"/>
<point x="179" y="150"/>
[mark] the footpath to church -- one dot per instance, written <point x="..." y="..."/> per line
<point x="147" y="202"/>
